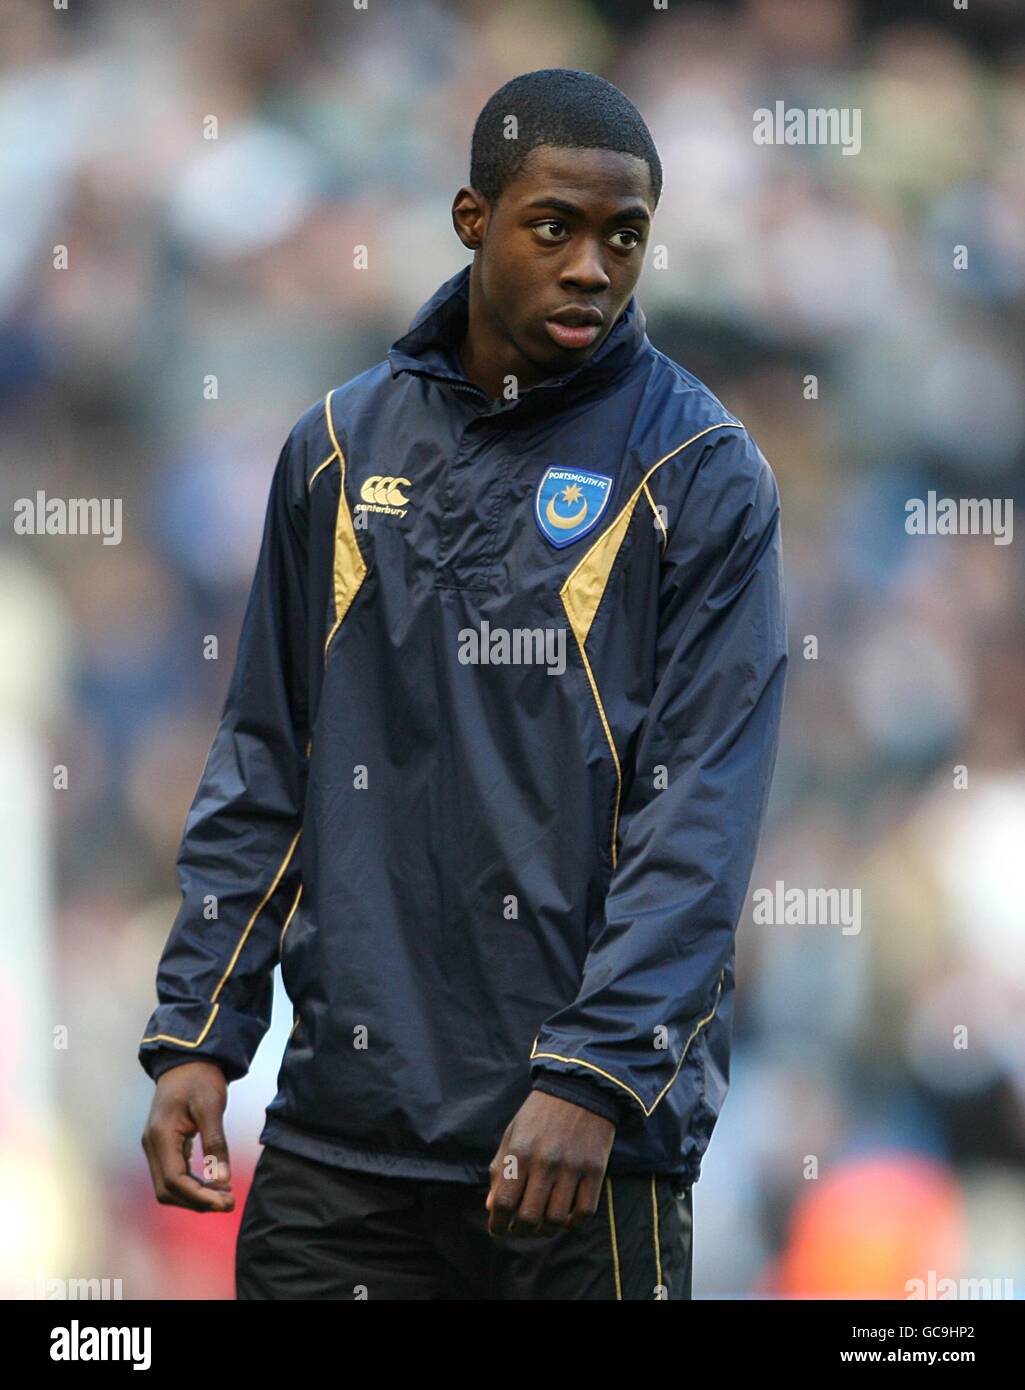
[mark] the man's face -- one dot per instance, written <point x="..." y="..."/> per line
<point x="562" y="246"/>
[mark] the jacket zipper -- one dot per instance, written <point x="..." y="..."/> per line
<point x="459" y="386"/>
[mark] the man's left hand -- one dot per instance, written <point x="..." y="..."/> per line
<point x="546" y="1176"/>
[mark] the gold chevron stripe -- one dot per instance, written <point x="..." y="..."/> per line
<point x="349" y="566"/>
<point x="658" y="516"/>
<point x="317" y="471"/>
<point x="586" y="583"/>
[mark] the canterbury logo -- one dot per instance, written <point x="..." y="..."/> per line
<point x="384" y="491"/>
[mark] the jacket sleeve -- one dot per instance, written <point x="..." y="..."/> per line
<point x="237" y="865"/>
<point x="694" y="795"/>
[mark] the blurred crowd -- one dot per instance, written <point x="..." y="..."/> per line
<point x="822" y="297"/>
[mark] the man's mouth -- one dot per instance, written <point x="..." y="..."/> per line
<point x="568" y="335"/>
<point x="574" y="325"/>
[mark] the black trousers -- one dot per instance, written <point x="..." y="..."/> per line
<point x="310" y="1230"/>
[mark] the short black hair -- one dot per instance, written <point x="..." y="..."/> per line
<point x="556" y="106"/>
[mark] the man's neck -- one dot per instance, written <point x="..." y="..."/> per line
<point x="482" y="382"/>
<point x="487" y="372"/>
<point x="486" y="357"/>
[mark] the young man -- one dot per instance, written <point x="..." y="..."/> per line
<point x="490" y="774"/>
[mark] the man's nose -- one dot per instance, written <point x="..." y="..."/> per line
<point x="586" y="268"/>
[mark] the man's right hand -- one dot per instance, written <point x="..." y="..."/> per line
<point x="189" y="1099"/>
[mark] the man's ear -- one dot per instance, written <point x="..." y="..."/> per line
<point x="470" y="212"/>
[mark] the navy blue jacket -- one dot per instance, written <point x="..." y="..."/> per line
<point x="493" y="762"/>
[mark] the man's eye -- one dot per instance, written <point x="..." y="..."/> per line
<point x="539" y="226"/>
<point x="627" y="231"/>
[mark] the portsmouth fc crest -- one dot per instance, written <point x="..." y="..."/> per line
<point x="569" y="502"/>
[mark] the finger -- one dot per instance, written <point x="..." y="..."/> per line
<point x="560" y="1204"/>
<point x="186" y="1190"/>
<point x="173" y="1183"/>
<point x="504" y="1195"/>
<point x="527" y="1220"/>
<point x="585" y="1200"/>
<point x="208" y="1114"/>
<point x="151" y="1158"/>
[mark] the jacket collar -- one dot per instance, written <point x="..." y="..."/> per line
<point x="439" y="326"/>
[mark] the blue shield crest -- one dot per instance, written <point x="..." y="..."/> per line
<point x="569" y="502"/>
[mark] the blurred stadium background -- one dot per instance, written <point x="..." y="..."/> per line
<point x="233" y="257"/>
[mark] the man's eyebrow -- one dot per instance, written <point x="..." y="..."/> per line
<point x="637" y="212"/>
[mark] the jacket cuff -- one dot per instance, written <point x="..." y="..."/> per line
<point x="581" y="1092"/>
<point x="158" y="1060"/>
